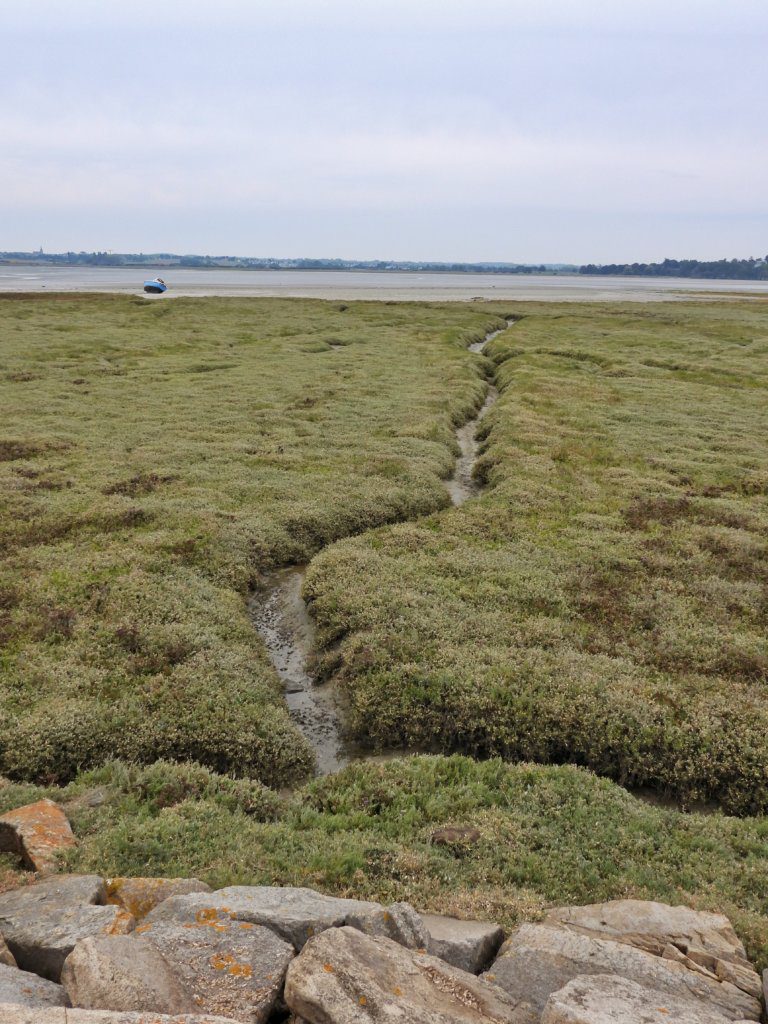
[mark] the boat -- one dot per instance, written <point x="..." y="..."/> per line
<point x="156" y="287"/>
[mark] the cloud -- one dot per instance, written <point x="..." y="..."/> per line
<point x="337" y="109"/>
<point x="610" y="16"/>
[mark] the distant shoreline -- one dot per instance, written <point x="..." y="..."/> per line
<point x="287" y="270"/>
<point x="344" y="285"/>
<point x="752" y="269"/>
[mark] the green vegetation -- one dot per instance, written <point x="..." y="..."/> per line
<point x="724" y="270"/>
<point x="154" y="459"/>
<point x="548" y="836"/>
<point x="604" y="602"/>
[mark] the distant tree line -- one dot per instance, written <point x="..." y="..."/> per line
<point x="117" y="259"/>
<point x="747" y="270"/>
<point x="742" y="270"/>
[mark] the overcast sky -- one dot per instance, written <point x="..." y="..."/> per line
<point x="520" y="130"/>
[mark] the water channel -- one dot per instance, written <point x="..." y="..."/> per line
<point x="280" y="615"/>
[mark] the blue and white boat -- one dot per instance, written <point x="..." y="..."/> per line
<point x="156" y="287"/>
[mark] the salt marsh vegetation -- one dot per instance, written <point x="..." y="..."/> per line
<point x="603" y="602"/>
<point x="600" y="600"/>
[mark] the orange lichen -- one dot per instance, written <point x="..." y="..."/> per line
<point x="226" y="962"/>
<point x="328" y="968"/>
<point x="36" y="833"/>
<point x="206" y="915"/>
<point x="141" y="895"/>
<point x="122" y="924"/>
<point x="210" y="917"/>
<point x="241" y="970"/>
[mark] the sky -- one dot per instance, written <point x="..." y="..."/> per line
<point x="547" y="131"/>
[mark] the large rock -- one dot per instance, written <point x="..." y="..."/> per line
<point x="141" y="895"/>
<point x="14" y="1014"/>
<point x="27" y="989"/>
<point x="42" y="923"/>
<point x="343" y="976"/>
<point x="651" y="926"/>
<point x="294" y="914"/>
<point x="744" y="977"/>
<point x="37" y="833"/>
<point x="398" y="921"/>
<point x="469" y="945"/>
<point x="231" y="968"/>
<point x="123" y="972"/>
<point x="6" y="956"/>
<point x="604" y="999"/>
<point x="538" y="960"/>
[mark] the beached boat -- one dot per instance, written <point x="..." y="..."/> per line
<point x="156" y="287"/>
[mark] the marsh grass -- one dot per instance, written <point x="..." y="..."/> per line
<point x="548" y="835"/>
<point x="605" y="602"/>
<point x="155" y="459"/>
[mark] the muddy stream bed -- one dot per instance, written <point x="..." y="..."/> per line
<point x="280" y="615"/>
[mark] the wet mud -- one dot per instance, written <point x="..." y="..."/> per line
<point x="462" y="485"/>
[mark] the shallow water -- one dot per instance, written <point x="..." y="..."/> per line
<point x="462" y="485"/>
<point x="280" y="614"/>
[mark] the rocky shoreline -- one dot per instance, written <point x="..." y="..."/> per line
<point x="81" y="949"/>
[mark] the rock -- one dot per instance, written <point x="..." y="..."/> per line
<point x="27" y="989"/>
<point x="122" y="972"/>
<point x="293" y="914"/>
<point x="745" y="978"/>
<point x="344" y="976"/>
<point x="6" y="956"/>
<point x="456" y="836"/>
<point x="398" y="921"/>
<point x="42" y="923"/>
<point x="231" y="968"/>
<point x="36" y="833"/>
<point x="538" y="960"/>
<point x="703" y="939"/>
<point x="13" y="1014"/>
<point x="671" y="952"/>
<point x="470" y="945"/>
<point x="651" y="926"/>
<point x="140" y="895"/>
<point x="605" y="999"/>
<point x="74" y="890"/>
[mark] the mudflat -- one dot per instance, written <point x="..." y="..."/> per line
<point x="367" y="285"/>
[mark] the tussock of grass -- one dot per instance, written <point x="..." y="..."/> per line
<point x="605" y="602"/>
<point x="549" y="835"/>
<point x="154" y="460"/>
